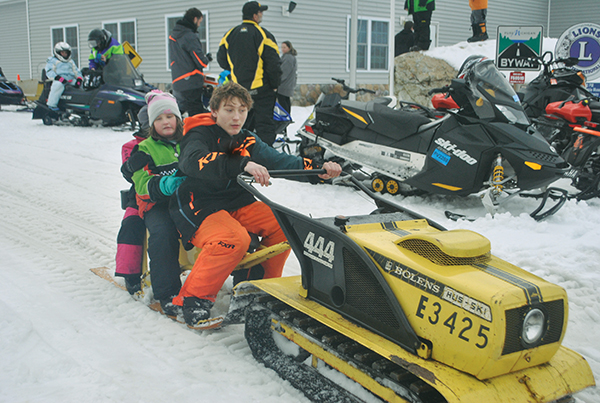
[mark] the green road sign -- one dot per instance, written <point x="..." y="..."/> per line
<point x="517" y="46"/>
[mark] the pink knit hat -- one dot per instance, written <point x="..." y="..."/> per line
<point x="161" y="102"/>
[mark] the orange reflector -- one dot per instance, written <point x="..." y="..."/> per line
<point x="533" y="165"/>
<point x="448" y="187"/>
<point x="111" y="102"/>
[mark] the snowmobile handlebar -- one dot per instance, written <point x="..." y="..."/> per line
<point x="439" y="90"/>
<point x="547" y="60"/>
<point x="350" y="89"/>
<point x="245" y="180"/>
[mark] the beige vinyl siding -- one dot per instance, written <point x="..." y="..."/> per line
<point x="316" y="28"/>
<point x="14" y="56"/>
<point x="566" y="13"/>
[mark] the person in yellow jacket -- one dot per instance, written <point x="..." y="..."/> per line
<point x="478" y="16"/>
<point x="251" y="54"/>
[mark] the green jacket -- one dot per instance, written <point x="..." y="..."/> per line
<point x="158" y="159"/>
<point x="417" y="6"/>
<point x="113" y="48"/>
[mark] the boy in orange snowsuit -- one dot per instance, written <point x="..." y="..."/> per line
<point x="210" y="209"/>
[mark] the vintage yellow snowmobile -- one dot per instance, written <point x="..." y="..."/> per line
<point x="411" y="312"/>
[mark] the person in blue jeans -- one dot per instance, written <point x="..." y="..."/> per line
<point x="63" y="70"/>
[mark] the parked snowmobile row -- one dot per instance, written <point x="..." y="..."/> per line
<point x="485" y="147"/>
<point x="568" y="116"/>
<point x="112" y="98"/>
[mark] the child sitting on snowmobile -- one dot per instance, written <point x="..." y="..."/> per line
<point x="63" y="71"/>
<point x="212" y="211"/>
<point x="154" y="183"/>
<point x="130" y="239"/>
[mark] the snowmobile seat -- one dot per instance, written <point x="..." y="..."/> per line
<point x="394" y="123"/>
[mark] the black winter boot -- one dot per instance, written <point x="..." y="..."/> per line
<point x="479" y="33"/>
<point x="476" y="32"/>
<point x="169" y="309"/>
<point x="133" y="283"/>
<point x="196" y="310"/>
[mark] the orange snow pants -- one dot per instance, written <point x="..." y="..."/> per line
<point x="224" y="240"/>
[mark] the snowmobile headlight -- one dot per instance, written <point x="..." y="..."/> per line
<point x="533" y="326"/>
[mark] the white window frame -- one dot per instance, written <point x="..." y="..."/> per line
<point x="369" y="43"/>
<point x="64" y="27"/>
<point x="167" y="33"/>
<point x="119" y="22"/>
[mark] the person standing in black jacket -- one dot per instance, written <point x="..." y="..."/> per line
<point x="188" y="62"/>
<point x="251" y="54"/>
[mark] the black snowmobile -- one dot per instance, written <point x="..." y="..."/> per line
<point x="10" y="93"/>
<point x="559" y="80"/>
<point x="487" y="146"/>
<point x="112" y="97"/>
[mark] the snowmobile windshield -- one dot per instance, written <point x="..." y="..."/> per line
<point x="120" y="72"/>
<point x="491" y="91"/>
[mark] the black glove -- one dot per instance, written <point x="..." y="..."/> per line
<point x="61" y="79"/>
<point x="209" y="57"/>
<point x="78" y="82"/>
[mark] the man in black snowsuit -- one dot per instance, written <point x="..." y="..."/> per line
<point x="421" y="10"/>
<point x="251" y="54"/>
<point x="188" y="62"/>
<point x="404" y="39"/>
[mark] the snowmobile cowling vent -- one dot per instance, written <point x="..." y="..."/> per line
<point x="449" y="248"/>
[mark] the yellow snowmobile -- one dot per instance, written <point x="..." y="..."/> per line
<point x="410" y="311"/>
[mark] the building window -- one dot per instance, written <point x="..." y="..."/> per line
<point x="69" y="34"/>
<point x="123" y="31"/>
<point x="372" y="44"/>
<point x="202" y="33"/>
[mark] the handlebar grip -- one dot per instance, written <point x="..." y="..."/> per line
<point x="438" y="90"/>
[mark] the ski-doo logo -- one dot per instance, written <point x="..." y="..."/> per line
<point x="451" y="148"/>
<point x="318" y="251"/>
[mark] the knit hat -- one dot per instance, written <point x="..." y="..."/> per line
<point x="143" y="118"/>
<point x="161" y="102"/>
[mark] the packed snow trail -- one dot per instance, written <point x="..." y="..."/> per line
<point x="67" y="335"/>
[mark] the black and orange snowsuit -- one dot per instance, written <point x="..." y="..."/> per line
<point x="214" y="213"/>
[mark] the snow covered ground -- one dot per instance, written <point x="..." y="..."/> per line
<point x="67" y="335"/>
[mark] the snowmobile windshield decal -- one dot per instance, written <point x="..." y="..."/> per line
<point x="319" y="250"/>
<point x="432" y="286"/>
<point x="532" y="291"/>
<point x="454" y="150"/>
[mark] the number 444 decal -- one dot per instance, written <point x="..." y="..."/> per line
<point x="318" y="251"/>
<point x="462" y="328"/>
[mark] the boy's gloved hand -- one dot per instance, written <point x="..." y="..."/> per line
<point x="168" y="184"/>
<point x="78" y="82"/>
<point x="61" y="79"/>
